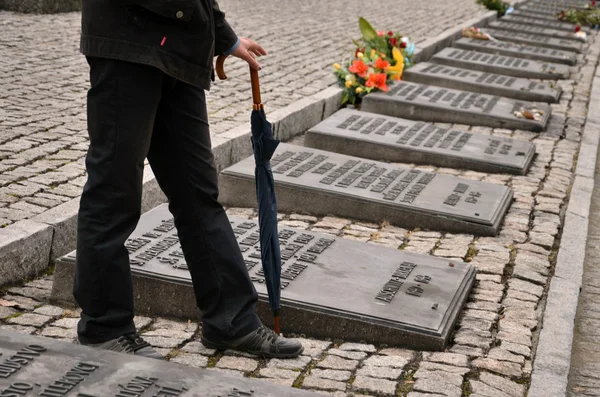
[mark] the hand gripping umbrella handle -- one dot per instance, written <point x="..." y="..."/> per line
<point x="253" y="80"/>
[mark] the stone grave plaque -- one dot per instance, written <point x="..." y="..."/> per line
<point x="324" y="183"/>
<point x="529" y="21"/>
<point x="331" y="287"/>
<point x="540" y="54"/>
<point x="36" y="366"/>
<point x="536" y="40"/>
<point x="481" y="81"/>
<point x="392" y="139"/>
<point x="553" y="9"/>
<point x="509" y="66"/>
<point x="531" y="29"/>
<point x="537" y="16"/>
<point x="437" y="104"/>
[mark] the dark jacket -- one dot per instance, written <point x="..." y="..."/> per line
<point x="180" y="37"/>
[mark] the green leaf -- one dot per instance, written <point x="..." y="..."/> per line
<point x="368" y="32"/>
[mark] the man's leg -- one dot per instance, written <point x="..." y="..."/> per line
<point x="121" y="108"/>
<point x="182" y="160"/>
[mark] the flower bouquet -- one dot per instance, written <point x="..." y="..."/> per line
<point x="379" y="58"/>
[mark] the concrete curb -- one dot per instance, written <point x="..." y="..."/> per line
<point x="553" y="357"/>
<point x="28" y="247"/>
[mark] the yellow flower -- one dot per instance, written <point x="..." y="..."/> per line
<point x="349" y="84"/>
<point x="359" y="90"/>
<point x="360" y="55"/>
<point x="337" y="66"/>
<point x="398" y="68"/>
<point x="373" y="52"/>
<point x="351" y="78"/>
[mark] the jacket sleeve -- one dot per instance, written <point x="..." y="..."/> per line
<point x="176" y="9"/>
<point x="226" y="41"/>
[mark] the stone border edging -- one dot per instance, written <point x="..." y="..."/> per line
<point x="553" y="356"/>
<point x="29" y="247"/>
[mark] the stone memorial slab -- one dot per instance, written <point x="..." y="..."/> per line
<point x="437" y="104"/>
<point x="392" y="139"/>
<point x="36" y="366"/>
<point x="331" y="287"/>
<point x="551" y="8"/>
<point x="481" y="81"/>
<point x="530" y="29"/>
<point x="556" y="24"/>
<point x="537" y="16"/>
<point x="536" y="40"/>
<point x="324" y="183"/>
<point x="540" y="54"/>
<point x="509" y="66"/>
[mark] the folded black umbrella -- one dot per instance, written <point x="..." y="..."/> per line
<point x="263" y="147"/>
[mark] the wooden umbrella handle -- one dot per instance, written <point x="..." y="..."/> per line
<point x="253" y="80"/>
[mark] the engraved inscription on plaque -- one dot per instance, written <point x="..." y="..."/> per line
<point x="35" y="366"/>
<point x="439" y="104"/>
<point x="540" y="54"/>
<point x="501" y="64"/>
<point x="400" y="195"/>
<point x="536" y="40"/>
<point x="418" y="142"/>
<point x="529" y="21"/>
<point x="391" y="293"/>
<point x="479" y="81"/>
<point x="533" y="29"/>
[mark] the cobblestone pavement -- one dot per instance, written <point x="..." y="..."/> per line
<point x="43" y="81"/>
<point x="491" y="352"/>
<point x="584" y="378"/>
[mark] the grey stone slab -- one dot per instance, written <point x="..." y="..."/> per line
<point x="507" y="65"/>
<point x="400" y="298"/>
<point x="533" y="29"/>
<point x="536" y="40"/>
<point x="310" y="180"/>
<point x="46" y="367"/>
<point x="544" y="16"/>
<point x="524" y="19"/>
<point x="24" y="250"/>
<point x="536" y="53"/>
<point x="484" y="82"/>
<point x="392" y="139"/>
<point x="438" y="104"/>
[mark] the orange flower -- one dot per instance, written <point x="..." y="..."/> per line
<point x="381" y="64"/>
<point x="378" y="80"/>
<point x="359" y="67"/>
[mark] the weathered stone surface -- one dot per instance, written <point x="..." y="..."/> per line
<point x="380" y="372"/>
<point x="302" y="281"/>
<point x="496" y="65"/>
<point x="457" y="360"/>
<point x="393" y="139"/>
<point x="238" y="363"/>
<point x="536" y="40"/>
<point x="427" y="103"/>
<point x="501" y="367"/>
<point x="335" y="362"/>
<point x="518" y="50"/>
<point x="313" y="382"/>
<point x="353" y="355"/>
<point x="463" y="77"/>
<point x="533" y="29"/>
<point x="374" y="385"/>
<point x="30" y="319"/>
<point x="332" y="374"/>
<point x="358" y="347"/>
<point x="507" y="386"/>
<point x="118" y="371"/>
<point x="338" y="184"/>
<point x="191" y="360"/>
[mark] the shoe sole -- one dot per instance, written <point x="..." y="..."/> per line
<point x="210" y="345"/>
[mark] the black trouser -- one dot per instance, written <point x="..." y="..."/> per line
<point x="136" y="111"/>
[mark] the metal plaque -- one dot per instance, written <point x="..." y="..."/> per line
<point x="393" y="139"/>
<point x="525" y="19"/>
<point x="323" y="183"/>
<point x="532" y="29"/>
<point x="36" y="366"/>
<point x="331" y="287"/>
<point x="509" y="66"/>
<point x="551" y="17"/>
<point x="536" y="40"/>
<point x="438" y="104"/>
<point x="540" y="54"/>
<point x="468" y="79"/>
